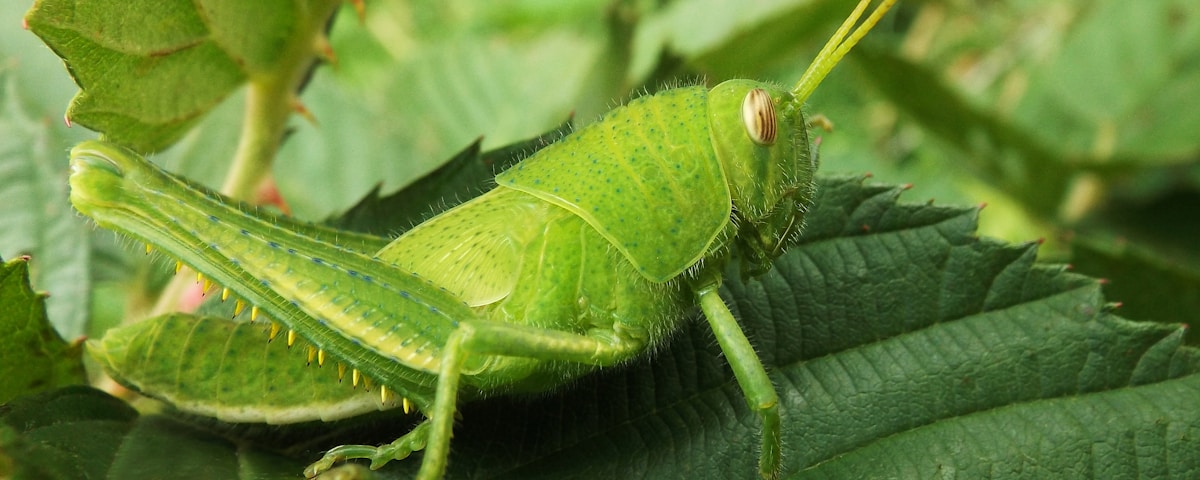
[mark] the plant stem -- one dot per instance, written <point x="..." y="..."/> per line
<point x="269" y="105"/>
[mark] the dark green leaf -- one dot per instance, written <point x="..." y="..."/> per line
<point x="891" y="329"/>
<point x="32" y="355"/>
<point x="79" y="432"/>
<point x="1150" y="284"/>
<point x="903" y="346"/>
<point x="64" y="434"/>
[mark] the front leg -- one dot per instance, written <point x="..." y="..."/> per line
<point x="751" y="376"/>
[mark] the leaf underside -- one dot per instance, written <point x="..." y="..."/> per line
<point x="122" y="57"/>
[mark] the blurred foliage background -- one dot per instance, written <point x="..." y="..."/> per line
<point x="1075" y="121"/>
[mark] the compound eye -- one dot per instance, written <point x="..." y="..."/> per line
<point x="758" y="114"/>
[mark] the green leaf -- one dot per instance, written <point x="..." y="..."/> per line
<point x="888" y="321"/>
<point x="36" y="217"/>
<point x="1151" y="283"/>
<point x="891" y="329"/>
<point x="986" y="384"/>
<point x="79" y="432"/>
<point x="32" y="355"/>
<point x="399" y="123"/>
<point x="999" y="151"/>
<point x="1077" y="104"/>
<point x="68" y="433"/>
<point x="131" y="60"/>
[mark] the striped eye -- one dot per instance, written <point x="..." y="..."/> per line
<point x="758" y="113"/>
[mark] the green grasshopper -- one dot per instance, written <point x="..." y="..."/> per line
<point x="587" y="254"/>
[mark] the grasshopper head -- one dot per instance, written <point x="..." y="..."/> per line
<point x="97" y="176"/>
<point x="761" y="139"/>
<point x="759" y="134"/>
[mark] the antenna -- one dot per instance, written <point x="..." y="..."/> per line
<point x="838" y="46"/>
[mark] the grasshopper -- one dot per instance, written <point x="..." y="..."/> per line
<point x="587" y="254"/>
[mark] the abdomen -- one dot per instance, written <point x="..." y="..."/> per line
<point x="519" y="259"/>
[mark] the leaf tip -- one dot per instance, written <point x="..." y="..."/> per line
<point x="67" y="119"/>
<point x="24" y="23"/>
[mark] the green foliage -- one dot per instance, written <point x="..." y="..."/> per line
<point x="131" y="62"/>
<point x="891" y="330"/>
<point x="989" y="340"/>
<point x="32" y="355"/>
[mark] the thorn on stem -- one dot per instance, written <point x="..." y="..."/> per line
<point x="324" y="50"/>
<point x="303" y="111"/>
<point x="360" y="8"/>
